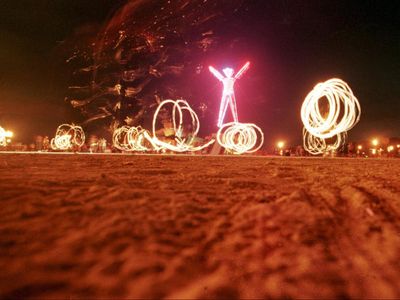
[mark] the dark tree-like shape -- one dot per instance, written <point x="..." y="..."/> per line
<point x="150" y="50"/>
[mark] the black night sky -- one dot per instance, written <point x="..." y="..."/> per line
<point x="292" y="46"/>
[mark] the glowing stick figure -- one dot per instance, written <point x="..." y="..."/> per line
<point x="228" y="94"/>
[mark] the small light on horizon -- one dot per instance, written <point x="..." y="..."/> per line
<point x="375" y="142"/>
<point x="280" y="144"/>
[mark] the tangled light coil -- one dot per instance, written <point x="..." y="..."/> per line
<point x="3" y="140"/>
<point x="343" y="114"/>
<point x="183" y="142"/>
<point x="138" y="139"/>
<point x="240" y="138"/>
<point x="4" y="136"/>
<point x="68" y="136"/>
<point x="315" y="145"/>
<point x="133" y="138"/>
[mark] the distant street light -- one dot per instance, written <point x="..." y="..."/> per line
<point x="375" y="142"/>
<point x="280" y="145"/>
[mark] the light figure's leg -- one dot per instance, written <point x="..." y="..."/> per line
<point x="232" y="104"/>
<point x="222" y="109"/>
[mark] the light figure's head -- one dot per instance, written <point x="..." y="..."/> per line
<point x="228" y="72"/>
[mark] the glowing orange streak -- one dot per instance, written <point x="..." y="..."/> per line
<point x="182" y="145"/>
<point x="4" y="135"/>
<point x="315" y="145"/>
<point x="317" y="127"/>
<point x="240" y="138"/>
<point x="128" y="138"/>
<point x="68" y="136"/>
<point x="134" y="138"/>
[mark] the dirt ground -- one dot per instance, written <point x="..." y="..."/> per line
<point x="198" y="227"/>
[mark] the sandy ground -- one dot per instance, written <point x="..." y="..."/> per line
<point x="198" y="227"/>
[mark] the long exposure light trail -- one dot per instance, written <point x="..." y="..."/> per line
<point x="183" y="142"/>
<point x="315" y="145"/>
<point x="4" y="136"/>
<point x="343" y="114"/>
<point x="67" y="137"/>
<point x="228" y="93"/>
<point x="133" y="138"/>
<point x="138" y="139"/>
<point x="239" y="138"/>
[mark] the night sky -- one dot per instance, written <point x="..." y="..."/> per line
<point x="292" y="46"/>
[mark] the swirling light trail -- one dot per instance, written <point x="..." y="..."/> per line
<point x="343" y="114"/>
<point x="133" y="138"/>
<point x="315" y="145"/>
<point x="240" y="138"/>
<point x="68" y="136"/>
<point x="138" y="139"/>
<point x="4" y="136"/>
<point x="183" y="144"/>
<point x="236" y="137"/>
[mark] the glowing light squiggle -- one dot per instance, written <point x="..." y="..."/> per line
<point x="138" y="139"/>
<point x="68" y="136"/>
<point x="183" y="144"/>
<point x="4" y="136"/>
<point x="315" y="145"/>
<point x="240" y="138"/>
<point x="128" y="138"/>
<point x="343" y="114"/>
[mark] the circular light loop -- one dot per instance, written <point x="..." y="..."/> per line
<point x="67" y="136"/>
<point x="239" y="138"/>
<point x="138" y="139"/>
<point x="129" y="139"/>
<point x="343" y="114"/>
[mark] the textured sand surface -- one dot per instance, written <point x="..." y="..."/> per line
<point x="197" y="227"/>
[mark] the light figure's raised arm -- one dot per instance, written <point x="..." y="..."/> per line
<point x="216" y="73"/>
<point x="242" y="70"/>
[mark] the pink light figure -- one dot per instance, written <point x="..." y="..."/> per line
<point x="228" y="94"/>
